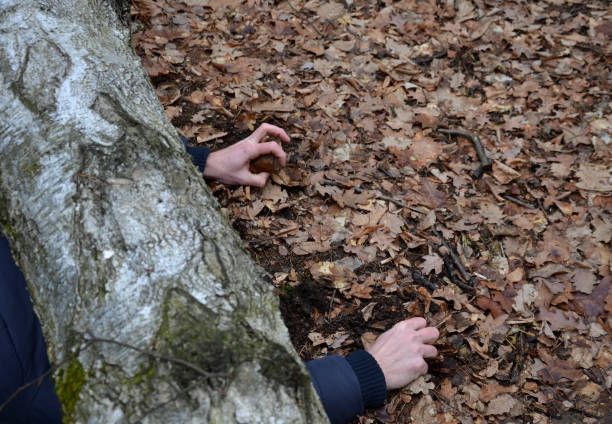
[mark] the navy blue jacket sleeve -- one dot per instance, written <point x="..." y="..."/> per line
<point x="198" y="154"/>
<point x="348" y="385"/>
<point x="23" y="353"/>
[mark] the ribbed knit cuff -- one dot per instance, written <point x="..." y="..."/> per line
<point x="370" y="376"/>
<point x="198" y="154"/>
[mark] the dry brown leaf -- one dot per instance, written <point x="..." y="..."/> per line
<point x="504" y="404"/>
<point x="421" y="385"/>
<point x="425" y="411"/>
<point x="427" y="221"/>
<point x="560" y="321"/>
<point x="491" y="391"/>
<point x="273" y="193"/>
<point x="594" y="177"/>
<point x="432" y="262"/>
<point x="584" y="280"/>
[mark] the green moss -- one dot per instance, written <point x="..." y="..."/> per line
<point x="32" y="168"/>
<point x="144" y="375"/>
<point x="8" y="230"/>
<point x="68" y="385"/>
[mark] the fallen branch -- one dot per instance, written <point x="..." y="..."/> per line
<point x="419" y="279"/>
<point x="518" y="201"/>
<point x="450" y="268"/>
<point x="453" y="256"/>
<point x="485" y="162"/>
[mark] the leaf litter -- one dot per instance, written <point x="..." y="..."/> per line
<point x="379" y="216"/>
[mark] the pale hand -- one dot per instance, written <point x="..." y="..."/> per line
<point x="231" y="165"/>
<point x="401" y="351"/>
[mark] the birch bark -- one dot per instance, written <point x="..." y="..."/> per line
<point x="118" y="235"/>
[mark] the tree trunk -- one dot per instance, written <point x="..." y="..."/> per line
<point x="119" y="238"/>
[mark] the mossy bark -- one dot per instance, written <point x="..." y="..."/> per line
<point x="118" y="236"/>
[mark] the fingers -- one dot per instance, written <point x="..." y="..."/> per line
<point x="413" y="323"/>
<point x="423" y="367"/>
<point x="429" y="351"/>
<point x="267" y="129"/>
<point x="258" y="180"/>
<point x="428" y="335"/>
<point x="269" y="147"/>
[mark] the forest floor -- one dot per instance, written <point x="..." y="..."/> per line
<point x="380" y="216"/>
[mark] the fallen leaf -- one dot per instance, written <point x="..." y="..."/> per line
<point x="274" y="193"/>
<point x="584" y="280"/>
<point x="421" y="385"/>
<point x="491" y="213"/>
<point x="490" y="391"/>
<point x="487" y="304"/>
<point x="432" y="262"/>
<point x="504" y="404"/>
<point x="525" y="297"/>
<point x="427" y="221"/>
<point x="594" y="177"/>
<point x="367" y="311"/>
<point x="424" y="412"/>
<point x="559" y="321"/>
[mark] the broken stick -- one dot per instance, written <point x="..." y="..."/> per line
<point x="450" y="268"/>
<point x="485" y="162"/>
<point x="418" y="278"/>
<point x="454" y="257"/>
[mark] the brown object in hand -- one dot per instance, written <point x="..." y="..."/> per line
<point x="265" y="163"/>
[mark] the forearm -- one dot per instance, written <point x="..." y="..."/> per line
<point x="348" y="385"/>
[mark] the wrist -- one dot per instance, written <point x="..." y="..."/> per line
<point x="371" y="377"/>
<point x="212" y="170"/>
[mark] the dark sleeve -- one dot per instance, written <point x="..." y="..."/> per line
<point x="348" y="385"/>
<point x="23" y="352"/>
<point x="198" y="154"/>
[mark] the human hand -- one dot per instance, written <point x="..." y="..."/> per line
<point x="231" y="165"/>
<point x="400" y="351"/>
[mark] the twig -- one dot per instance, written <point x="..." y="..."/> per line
<point x="453" y="255"/>
<point x="264" y="239"/>
<point x="387" y="172"/>
<point x="93" y="339"/>
<point x="463" y="286"/>
<point x="518" y="201"/>
<point x="451" y="273"/>
<point x="379" y="196"/>
<point x="399" y="203"/>
<point x="168" y="358"/>
<point x="518" y="359"/>
<point x="485" y="162"/>
<point x="38" y="380"/>
<point x="297" y="12"/>
<point x="425" y="60"/>
<point x="172" y="399"/>
<point x="418" y="278"/>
